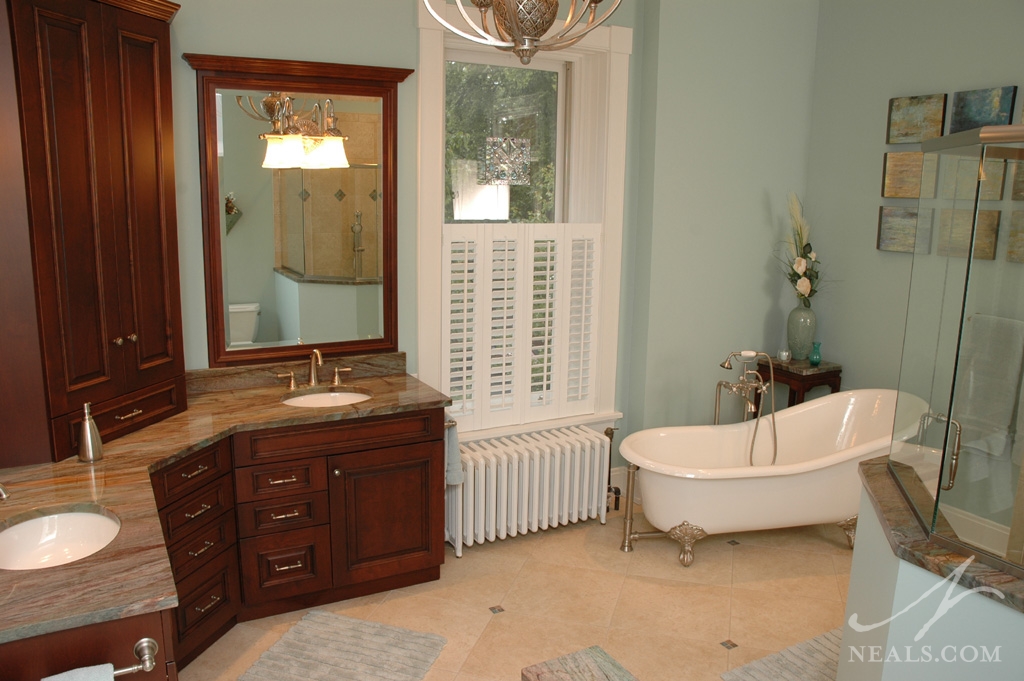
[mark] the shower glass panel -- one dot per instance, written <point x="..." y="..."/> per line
<point x="963" y="351"/>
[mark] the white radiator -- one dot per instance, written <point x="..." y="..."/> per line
<point x="525" y="483"/>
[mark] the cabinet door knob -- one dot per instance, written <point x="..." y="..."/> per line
<point x="337" y="472"/>
<point x="133" y="337"/>
<point x="118" y="341"/>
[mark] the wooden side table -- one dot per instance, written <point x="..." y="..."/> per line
<point x="800" y="376"/>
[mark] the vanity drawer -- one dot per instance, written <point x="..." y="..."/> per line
<point x="190" y="473"/>
<point x="285" y="564"/>
<point x="275" y="480"/>
<point x="197" y="510"/>
<point x="337" y="437"/>
<point x="274" y="515"/>
<point x="201" y="547"/>
<point x="208" y="599"/>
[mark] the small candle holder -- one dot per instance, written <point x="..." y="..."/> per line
<point x="785" y="355"/>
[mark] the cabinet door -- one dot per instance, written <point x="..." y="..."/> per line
<point x="59" y="57"/>
<point x="139" y="87"/>
<point x="387" y="508"/>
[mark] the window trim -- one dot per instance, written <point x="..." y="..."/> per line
<point x="596" y="174"/>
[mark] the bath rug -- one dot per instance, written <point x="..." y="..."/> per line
<point x="813" y="660"/>
<point x="589" y="664"/>
<point x="323" y="646"/>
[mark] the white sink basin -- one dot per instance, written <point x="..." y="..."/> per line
<point x="33" y="541"/>
<point x="334" y="398"/>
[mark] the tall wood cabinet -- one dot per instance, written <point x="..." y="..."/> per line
<point x="94" y="89"/>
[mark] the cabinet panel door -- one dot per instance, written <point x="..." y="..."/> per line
<point x="387" y="508"/>
<point x="60" y="67"/>
<point x="139" y="84"/>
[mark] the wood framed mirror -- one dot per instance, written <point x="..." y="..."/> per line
<point x="299" y="256"/>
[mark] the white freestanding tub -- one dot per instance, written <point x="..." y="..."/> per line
<point x="698" y="480"/>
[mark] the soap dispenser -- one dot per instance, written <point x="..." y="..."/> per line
<point x="90" y="447"/>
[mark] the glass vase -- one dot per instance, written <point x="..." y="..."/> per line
<point x="815" y="357"/>
<point x="800" y="329"/>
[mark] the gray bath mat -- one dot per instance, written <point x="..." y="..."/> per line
<point x="813" y="660"/>
<point x="323" y="646"/>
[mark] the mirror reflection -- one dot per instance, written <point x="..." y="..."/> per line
<point x="299" y="243"/>
<point x="298" y="165"/>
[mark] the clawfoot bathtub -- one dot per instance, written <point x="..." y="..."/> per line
<point x="698" y="480"/>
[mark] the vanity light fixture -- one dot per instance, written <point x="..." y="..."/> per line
<point x="295" y="141"/>
<point x="520" y="25"/>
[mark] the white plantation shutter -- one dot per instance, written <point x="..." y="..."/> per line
<point x="520" y="319"/>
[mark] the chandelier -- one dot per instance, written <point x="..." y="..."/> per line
<point x="297" y="140"/>
<point x="520" y="25"/>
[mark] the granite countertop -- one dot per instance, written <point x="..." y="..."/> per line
<point x="911" y="543"/>
<point x="132" y="575"/>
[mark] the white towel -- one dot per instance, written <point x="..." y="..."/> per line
<point x="101" y="672"/>
<point x="453" y="459"/>
<point x="990" y="375"/>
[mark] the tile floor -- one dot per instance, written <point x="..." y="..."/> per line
<point x="571" y="587"/>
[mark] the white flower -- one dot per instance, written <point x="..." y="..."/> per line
<point x="813" y="256"/>
<point x="799" y="265"/>
<point x="803" y="286"/>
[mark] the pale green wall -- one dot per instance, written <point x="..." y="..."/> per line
<point x="726" y="106"/>
<point x="868" y="52"/>
<point x="378" y="33"/>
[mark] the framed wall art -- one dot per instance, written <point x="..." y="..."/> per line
<point x="914" y="119"/>
<point x="904" y="230"/>
<point x="976" y="108"/>
<point x="955" y="233"/>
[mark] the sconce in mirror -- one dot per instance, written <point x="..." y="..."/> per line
<point x="300" y="250"/>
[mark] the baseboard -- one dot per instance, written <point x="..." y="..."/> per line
<point x="984" y="533"/>
<point x="618" y="479"/>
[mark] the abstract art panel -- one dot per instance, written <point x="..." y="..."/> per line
<point x="975" y="108"/>
<point x="1016" y="250"/>
<point x="915" y="119"/>
<point x="1017" y="189"/>
<point x="902" y="230"/>
<point x="908" y="175"/>
<point x="960" y="179"/>
<point x="955" y="233"/>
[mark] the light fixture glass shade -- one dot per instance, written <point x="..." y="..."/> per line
<point x="284" y="151"/>
<point x="329" y="152"/>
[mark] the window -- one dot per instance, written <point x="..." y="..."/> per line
<point x="520" y="210"/>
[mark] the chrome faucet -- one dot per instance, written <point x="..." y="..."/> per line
<point x="3" y="492"/>
<point x="750" y="381"/>
<point x="315" y="360"/>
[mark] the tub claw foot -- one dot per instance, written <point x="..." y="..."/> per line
<point x="849" y="526"/>
<point x="687" y="535"/>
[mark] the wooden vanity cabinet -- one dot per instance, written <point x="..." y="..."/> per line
<point x="195" y="496"/>
<point x="112" y="642"/>
<point x="333" y="510"/>
<point x="94" y="91"/>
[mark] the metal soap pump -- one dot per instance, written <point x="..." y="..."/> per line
<point x="90" y="447"/>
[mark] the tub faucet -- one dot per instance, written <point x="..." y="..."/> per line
<point x="315" y="360"/>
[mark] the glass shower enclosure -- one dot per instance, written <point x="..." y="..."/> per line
<point x="963" y="351"/>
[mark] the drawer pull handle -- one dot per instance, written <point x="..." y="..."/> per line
<point x="208" y="545"/>
<point x="189" y="476"/>
<point x="286" y="568"/>
<point x="214" y="600"/>
<point x="132" y="415"/>
<point x="202" y="509"/>
<point x="337" y="472"/>
<point x="284" y="516"/>
<point x="283" y="481"/>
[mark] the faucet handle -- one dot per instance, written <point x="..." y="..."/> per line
<point x="337" y="374"/>
<point x="291" y="379"/>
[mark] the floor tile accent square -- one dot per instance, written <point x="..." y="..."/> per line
<point x="729" y="644"/>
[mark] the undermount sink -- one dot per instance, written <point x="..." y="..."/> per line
<point x="335" y="396"/>
<point x="49" y="537"/>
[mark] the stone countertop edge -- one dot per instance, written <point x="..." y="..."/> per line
<point x="910" y="542"/>
<point x="132" y="575"/>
